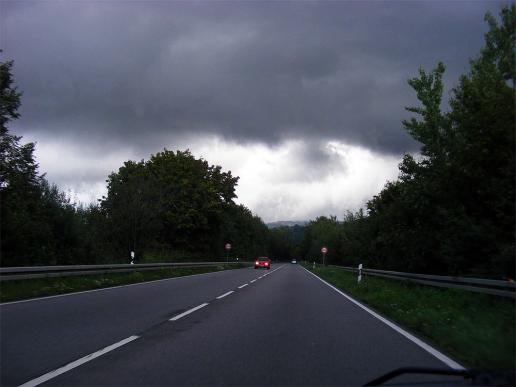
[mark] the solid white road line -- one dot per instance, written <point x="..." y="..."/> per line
<point x="188" y="312"/>
<point x="111" y="288"/>
<point x="77" y="363"/>
<point x="225" y="294"/>
<point x="243" y="286"/>
<point x="431" y="350"/>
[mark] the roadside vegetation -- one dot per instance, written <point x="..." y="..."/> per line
<point x="39" y="287"/>
<point x="476" y="329"/>
<point x="452" y="209"/>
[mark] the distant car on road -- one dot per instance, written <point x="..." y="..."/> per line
<point x="294" y="261"/>
<point x="262" y="262"/>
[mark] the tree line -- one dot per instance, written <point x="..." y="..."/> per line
<point x="172" y="207"/>
<point x="451" y="211"/>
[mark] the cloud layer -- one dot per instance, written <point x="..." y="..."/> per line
<point x="125" y="79"/>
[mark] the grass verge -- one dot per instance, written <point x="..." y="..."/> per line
<point x="39" y="287"/>
<point x="477" y="329"/>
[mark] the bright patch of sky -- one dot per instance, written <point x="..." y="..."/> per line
<point x="276" y="183"/>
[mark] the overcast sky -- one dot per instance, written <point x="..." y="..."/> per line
<point x="302" y="100"/>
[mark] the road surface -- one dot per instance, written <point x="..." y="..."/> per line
<point x="283" y="326"/>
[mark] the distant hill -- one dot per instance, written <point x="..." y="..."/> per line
<point x="287" y="223"/>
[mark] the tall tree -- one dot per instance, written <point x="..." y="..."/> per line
<point x="171" y="201"/>
<point x="454" y="208"/>
<point x="19" y="180"/>
<point x="38" y="224"/>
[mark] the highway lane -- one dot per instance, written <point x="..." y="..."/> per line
<point x="40" y="335"/>
<point x="287" y="328"/>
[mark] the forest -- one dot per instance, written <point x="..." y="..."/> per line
<point x="451" y="210"/>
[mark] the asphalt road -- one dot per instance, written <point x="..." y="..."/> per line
<point x="285" y="328"/>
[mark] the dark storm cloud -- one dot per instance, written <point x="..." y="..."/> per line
<point x="141" y="73"/>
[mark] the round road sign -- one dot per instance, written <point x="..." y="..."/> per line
<point x="228" y="246"/>
<point x="324" y="250"/>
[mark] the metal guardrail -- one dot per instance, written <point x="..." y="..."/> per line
<point x="17" y="273"/>
<point x="479" y="285"/>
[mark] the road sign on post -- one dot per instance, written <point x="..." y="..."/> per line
<point x="324" y="250"/>
<point x="227" y="247"/>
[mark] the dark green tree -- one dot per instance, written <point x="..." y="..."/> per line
<point x="453" y="210"/>
<point x="172" y="201"/>
<point x="38" y="224"/>
<point x="246" y="232"/>
<point x="323" y="231"/>
<point x="19" y="180"/>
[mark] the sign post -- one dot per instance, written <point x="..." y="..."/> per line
<point x="324" y="250"/>
<point x="227" y="247"/>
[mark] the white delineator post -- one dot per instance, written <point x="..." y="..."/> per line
<point x="359" y="273"/>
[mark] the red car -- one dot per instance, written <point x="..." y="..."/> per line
<point x="262" y="262"/>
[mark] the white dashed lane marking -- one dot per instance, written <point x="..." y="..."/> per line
<point x="188" y="312"/>
<point x="52" y="374"/>
<point x="225" y="294"/>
